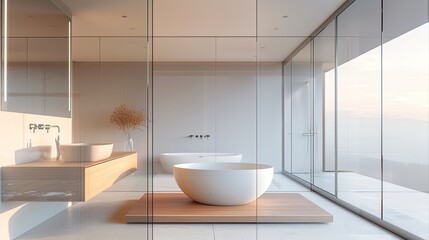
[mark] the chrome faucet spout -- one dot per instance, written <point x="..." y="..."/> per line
<point x="57" y="139"/>
<point x="57" y="144"/>
<point x="48" y="127"/>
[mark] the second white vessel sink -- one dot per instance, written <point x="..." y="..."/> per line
<point x="85" y="152"/>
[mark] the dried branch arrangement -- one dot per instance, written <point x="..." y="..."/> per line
<point x="127" y="119"/>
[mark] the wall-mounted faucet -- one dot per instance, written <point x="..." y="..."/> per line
<point x="198" y="136"/>
<point x="47" y="127"/>
<point x="57" y="140"/>
<point x="33" y="127"/>
<point x="40" y="126"/>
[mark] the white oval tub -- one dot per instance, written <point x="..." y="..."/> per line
<point x="168" y="160"/>
<point x="223" y="183"/>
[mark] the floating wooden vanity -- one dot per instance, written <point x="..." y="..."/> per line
<point x="58" y="181"/>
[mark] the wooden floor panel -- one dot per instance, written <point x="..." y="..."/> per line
<point x="269" y="208"/>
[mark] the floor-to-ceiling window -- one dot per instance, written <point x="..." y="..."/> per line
<point x="368" y="114"/>
<point x="359" y="105"/>
<point x="406" y="115"/>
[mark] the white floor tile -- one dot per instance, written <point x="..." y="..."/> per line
<point x="102" y="218"/>
<point x="183" y="231"/>
<point x="235" y="231"/>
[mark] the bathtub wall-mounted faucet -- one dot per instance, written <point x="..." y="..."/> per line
<point x="198" y="136"/>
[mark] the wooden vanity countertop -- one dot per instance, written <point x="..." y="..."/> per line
<point x="52" y="181"/>
<point x="54" y="163"/>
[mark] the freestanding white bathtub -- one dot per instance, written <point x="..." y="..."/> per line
<point x="223" y="183"/>
<point x="168" y="160"/>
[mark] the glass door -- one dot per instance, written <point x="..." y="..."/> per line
<point x="302" y="114"/>
<point x="324" y="109"/>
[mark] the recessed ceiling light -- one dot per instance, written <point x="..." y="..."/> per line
<point x="285" y="16"/>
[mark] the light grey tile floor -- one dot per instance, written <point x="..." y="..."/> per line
<point x="102" y="218"/>
<point x="404" y="207"/>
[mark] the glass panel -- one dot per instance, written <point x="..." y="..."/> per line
<point x="36" y="59"/>
<point x="287" y="101"/>
<point x="269" y="108"/>
<point x="184" y="74"/>
<point x="107" y="71"/>
<point x="204" y="102"/>
<point x="184" y="112"/>
<point x="324" y="109"/>
<point x="359" y="106"/>
<point x="238" y="118"/>
<point x="302" y="113"/>
<point x="406" y="115"/>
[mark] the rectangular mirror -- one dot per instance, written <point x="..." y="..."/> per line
<point x="36" y="76"/>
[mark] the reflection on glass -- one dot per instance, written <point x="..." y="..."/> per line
<point x="5" y="50"/>
<point x="36" y="58"/>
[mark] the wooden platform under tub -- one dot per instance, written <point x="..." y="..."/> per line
<point x="269" y="208"/>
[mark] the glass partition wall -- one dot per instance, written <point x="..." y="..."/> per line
<point x="60" y="84"/>
<point x="112" y="69"/>
<point x="356" y="113"/>
<point x="204" y="108"/>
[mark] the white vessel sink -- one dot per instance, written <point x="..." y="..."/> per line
<point x="84" y="152"/>
<point x="33" y="154"/>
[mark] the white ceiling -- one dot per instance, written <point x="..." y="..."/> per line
<point x="198" y="30"/>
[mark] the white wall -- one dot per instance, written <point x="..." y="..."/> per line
<point x="97" y="90"/>
<point x="232" y="102"/>
<point x="17" y="218"/>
